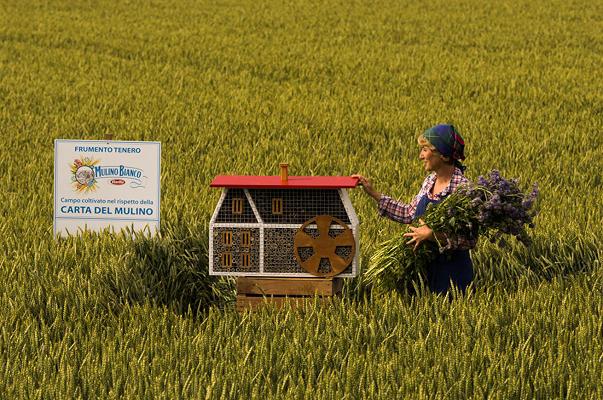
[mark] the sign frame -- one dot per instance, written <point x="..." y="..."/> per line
<point x="153" y="225"/>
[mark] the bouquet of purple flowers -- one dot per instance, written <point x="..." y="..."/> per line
<point x="491" y="208"/>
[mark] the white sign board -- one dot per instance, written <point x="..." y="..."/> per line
<point x="100" y="184"/>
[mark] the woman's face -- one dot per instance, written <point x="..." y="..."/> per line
<point x="432" y="159"/>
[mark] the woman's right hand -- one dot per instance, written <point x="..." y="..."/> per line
<point x="367" y="186"/>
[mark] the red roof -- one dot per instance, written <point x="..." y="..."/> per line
<point x="274" y="182"/>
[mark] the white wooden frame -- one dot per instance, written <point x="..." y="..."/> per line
<point x="354" y="226"/>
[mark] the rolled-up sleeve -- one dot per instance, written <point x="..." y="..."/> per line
<point x="396" y="210"/>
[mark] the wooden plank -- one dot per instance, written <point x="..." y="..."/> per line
<point x="289" y="286"/>
<point x="251" y="303"/>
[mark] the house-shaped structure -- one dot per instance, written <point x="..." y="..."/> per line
<point x="285" y="226"/>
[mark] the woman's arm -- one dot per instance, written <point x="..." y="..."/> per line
<point x="423" y="232"/>
<point x="396" y="210"/>
<point x="456" y="242"/>
<point x="367" y="186"/>
<point x="388" y="207"/>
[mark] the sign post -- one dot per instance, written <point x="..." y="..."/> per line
<point x="102" y="184"/>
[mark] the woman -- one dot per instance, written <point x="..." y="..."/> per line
<point x="442" y="149"/>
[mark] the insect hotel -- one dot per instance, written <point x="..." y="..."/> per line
<point x="284" y="235"/>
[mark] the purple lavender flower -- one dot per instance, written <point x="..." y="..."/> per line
<point x="505" y="209"/>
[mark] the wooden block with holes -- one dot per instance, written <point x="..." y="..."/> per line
<point x="254" y="292"/>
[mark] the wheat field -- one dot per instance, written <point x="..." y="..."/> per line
<point x="332" y="88"/>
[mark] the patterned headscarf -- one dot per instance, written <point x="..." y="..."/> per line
<point x="448" y="142"/>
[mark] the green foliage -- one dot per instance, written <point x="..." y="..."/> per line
<point x="395" y="265"/>
<point x="332" y="88"/>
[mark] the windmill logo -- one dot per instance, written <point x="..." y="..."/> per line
<point x="83" y="177"/>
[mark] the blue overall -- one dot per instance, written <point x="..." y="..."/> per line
<point x="452" y="265"/>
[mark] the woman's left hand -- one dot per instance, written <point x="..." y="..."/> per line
<point x="419" y="234"/>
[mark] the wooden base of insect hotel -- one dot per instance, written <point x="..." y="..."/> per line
<point x="254" y="292"/>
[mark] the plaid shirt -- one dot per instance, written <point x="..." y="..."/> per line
<point x="405" y="213"/>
